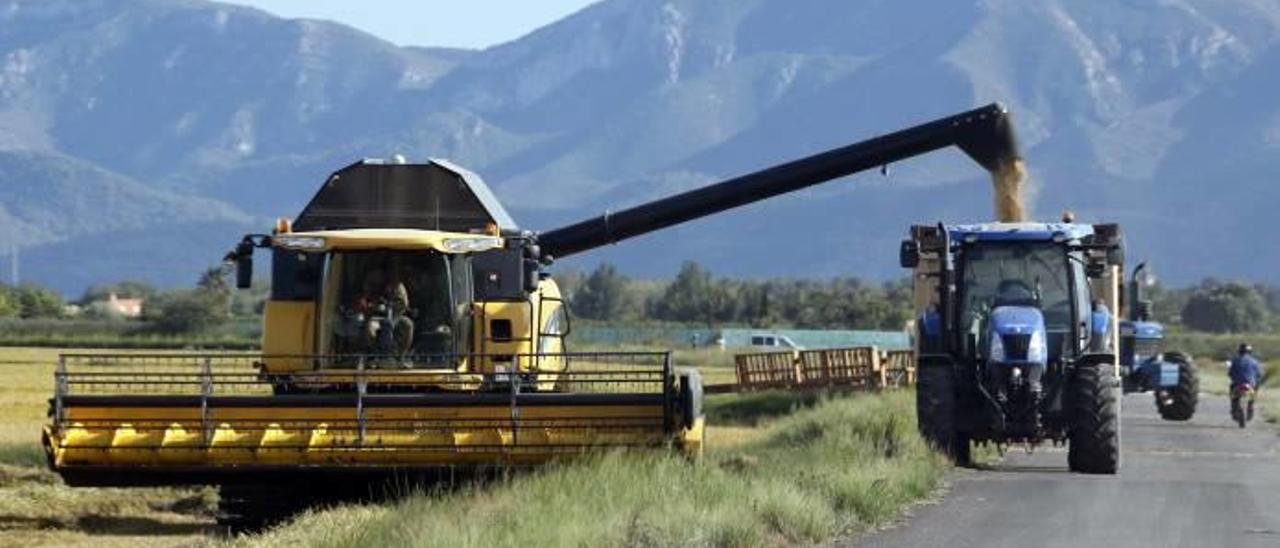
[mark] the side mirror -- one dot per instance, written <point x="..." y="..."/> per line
<point x="531" y="277"/>
<point x="1115" y="254"/>
<point x="243" y="256"/>
<point x="244" y="271"/>
<point x="909" y="254"/>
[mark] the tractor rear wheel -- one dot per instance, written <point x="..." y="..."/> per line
<point x="1185" y="395"/>
<point x="1094" y="414"/>
<point x="936" y="411"/>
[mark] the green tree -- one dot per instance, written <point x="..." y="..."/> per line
<point x="689" y="298"/>
<point x="37" y="302"/>
<point x="604" y="295"/>
<point x="184" y="311"/>
<point x="194" y="310"/>
<point x="9" y="306"/>
<point x="1226" y="308"/>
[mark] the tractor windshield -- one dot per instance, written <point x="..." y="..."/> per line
<point x="1020" y="274"/>
<point x="407" y="305"/>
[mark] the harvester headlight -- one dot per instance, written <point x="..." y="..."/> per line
<point x="305" y="243"/>
<point x="997" y="348"/>
<point x="1037" y="350"/>
<point x="473" y="244"/>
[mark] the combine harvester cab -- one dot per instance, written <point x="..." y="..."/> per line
<point x="1016" y="337"/>
<point x="407" y="332"/>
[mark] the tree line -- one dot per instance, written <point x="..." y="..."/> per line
<point x="696" y="296"/>
<point x="1217" y="306"/>
<point x="209" y="304"/>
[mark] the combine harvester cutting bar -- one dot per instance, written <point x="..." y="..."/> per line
<point x="189" y="418"/>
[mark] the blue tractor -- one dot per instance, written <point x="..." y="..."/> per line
<point x="1171" y="376"/>
<point x="1015" y="343"/>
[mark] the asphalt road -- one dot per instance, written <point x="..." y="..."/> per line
<point x="1200" y="483"/>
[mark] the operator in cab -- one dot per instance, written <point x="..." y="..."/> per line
<point x="384" y="303"/>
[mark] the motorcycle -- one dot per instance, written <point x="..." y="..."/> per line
<point x="1242" y="398"/>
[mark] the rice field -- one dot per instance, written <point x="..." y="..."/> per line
<point x="779" y="469"/>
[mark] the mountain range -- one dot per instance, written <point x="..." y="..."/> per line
<point x="140" y="138"/>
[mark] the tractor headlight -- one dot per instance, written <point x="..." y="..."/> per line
<point x="1037" y="349"/>
<point x="996" y="354"/>
<point x="468" y="245"/>
<point x="304" y="243"/>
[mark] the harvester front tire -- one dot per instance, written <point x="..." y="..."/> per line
<point x="1186" y="394"/>
<point x="1094" y="414"/>
<point x="936" y="412"/>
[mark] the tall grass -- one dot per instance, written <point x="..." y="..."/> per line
<point x="840" y="466"/>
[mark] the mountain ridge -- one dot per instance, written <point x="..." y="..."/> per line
<point x="1157" y="114"/>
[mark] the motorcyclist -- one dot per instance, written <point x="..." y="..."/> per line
<point x="1245" y="371"/>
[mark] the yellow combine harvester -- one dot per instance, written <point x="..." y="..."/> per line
<point x="411" y="332"/>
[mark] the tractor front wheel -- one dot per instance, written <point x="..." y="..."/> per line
<point x="1094" y="413"/>
<point x="1184" y="396"/>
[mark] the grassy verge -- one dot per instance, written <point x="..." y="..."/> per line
<point x="837" y="465"/>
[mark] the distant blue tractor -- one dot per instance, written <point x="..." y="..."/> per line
<point x="1171" y="376"/>
<point x="1014" y="338"/>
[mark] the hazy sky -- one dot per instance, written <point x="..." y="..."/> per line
<point x="454" y="23"/>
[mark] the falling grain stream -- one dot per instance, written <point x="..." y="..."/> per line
<point x="1009" y="180"/>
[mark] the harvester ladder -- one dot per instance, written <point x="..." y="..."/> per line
<point x="513" y="381"/>
<point x="59" y="391"/>
<point x="362" y="387"/>
<point x="206" y="390"/>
